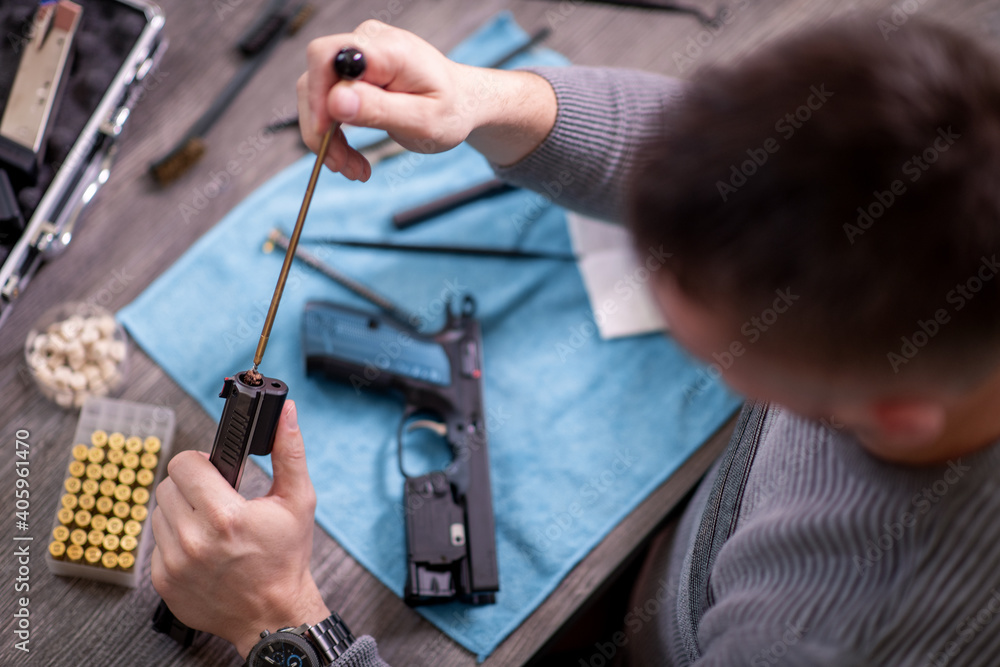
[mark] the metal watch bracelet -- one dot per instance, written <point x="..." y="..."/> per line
<point x="331" y="637"/>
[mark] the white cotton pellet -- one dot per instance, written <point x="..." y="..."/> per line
<point x="99" y="350"/>
<point x="64" y="398"/>
<point x="54" y="344"/>
<point x="97" y="387"/>
<point x="117" y="350"/>
<point x="76" y="361"/>
<point x="37" y="360"/>
<point x="56" y="361"/>
<point x="92" y="372"/>
<point x="44" y="375"/>
<point x="74" y="348"/>
<point x="108" y="369"/>
<point x="39" y="342"/>
<point x="106" y="325"/>
<point x="71" y="328"/>
<point x="77" y="381"/>
<point x="90" y="333"/>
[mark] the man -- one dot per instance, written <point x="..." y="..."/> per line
<point x="833" y="209"/>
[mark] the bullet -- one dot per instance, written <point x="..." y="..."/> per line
<point x="110" y="560"/>
<point x="152" y="445"/>
<point x="131" y="460"/>
<point x="92" y="555"/>
<point x="128" y="543"/>
<point x="123" y="493"/>
<point x="133" y="444"/>
<point x="94" y="471"/>
<point x="69" y="501"/>
<point x="140" y="496"/>
<point x="108" y="487"/>
<point x="77" y="468"/>
<point x="78" y="537"/>
<point x="115" y="526"/>
<point x="74" y="552"/>
<point x="133" y="527"/>
<point x="86" y="502"/>
<point x="115" y="456"/>
<point x="60" y="533"/>
<point x="110" y="471"/>
<point x="104" y="505"/>
<point x="121" y="510"/>
<point x="65" y="516"/>
<point x="82" y="518"/>
<point x="95" y="455"/>
<point x="110" y="542"/>
<point x="72" y="485"/>
<point x="98" y="438"/>
<point x="116" y="441"/>
<point x="149" y="461"/>
<point x="139" y="513"/>
<point x="99" y="522"/>
<point x="126" y="560"/>
<point x="90" y="487"/>
<point x="144" y="477"/>
<point x="95" y="538"/>
<point x="57" y="549"/>
<point x="126" y="476"/>
<point x="80" y="452"/>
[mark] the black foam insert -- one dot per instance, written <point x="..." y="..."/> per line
<point x="107" y="32"/>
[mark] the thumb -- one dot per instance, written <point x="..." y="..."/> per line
<point x="362" y="104"/>
<point x="288" y="459"/>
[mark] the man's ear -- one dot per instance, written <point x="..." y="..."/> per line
<point x="909" y="422"/>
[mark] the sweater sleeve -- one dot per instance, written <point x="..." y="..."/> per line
<point x="362" y="653"/>
<point x="604" y="116"/>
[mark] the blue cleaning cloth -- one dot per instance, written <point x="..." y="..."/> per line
<point x="580" y="430"/>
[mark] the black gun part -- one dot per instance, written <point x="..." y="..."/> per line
<point x="277" y="238"/>
<point x="450" y="530"/>
<point x="703" y="18"/>
<point x="474" y="251"/>
<point x="249" y="422"/>
<point x="450" y="202"/>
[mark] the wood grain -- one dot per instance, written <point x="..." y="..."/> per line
<point x="134" y="231"/>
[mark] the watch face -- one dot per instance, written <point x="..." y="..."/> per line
<point x="284" y="651"/>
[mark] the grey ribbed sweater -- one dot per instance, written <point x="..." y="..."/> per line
<point x="804" y="549"/>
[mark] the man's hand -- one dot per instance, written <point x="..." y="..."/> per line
<point x="232" y="566"/>
<point x="425" y="102"/>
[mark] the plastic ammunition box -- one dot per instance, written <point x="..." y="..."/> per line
<point x="113" y="535"/>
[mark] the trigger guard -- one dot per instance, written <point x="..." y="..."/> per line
<point x="438" y="428"/>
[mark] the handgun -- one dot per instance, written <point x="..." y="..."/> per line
<point x="450" y="533"/>
<point x="249" y="422"/>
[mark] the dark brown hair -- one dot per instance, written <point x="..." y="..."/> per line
<point x="860" y="171"/>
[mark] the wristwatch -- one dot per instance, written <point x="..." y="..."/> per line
<point x="304" y="646"/>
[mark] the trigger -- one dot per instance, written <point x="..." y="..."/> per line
<point x="430" y="425"/>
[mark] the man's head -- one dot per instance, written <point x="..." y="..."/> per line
<point x="832" y="205"/>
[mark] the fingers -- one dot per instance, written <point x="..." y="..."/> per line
<point x="197" y="482"/>
<point x="383" y="60"/>
<point x="339" y="156"/>
<point x="403" y="114"/>
<point x="288" y="459"/>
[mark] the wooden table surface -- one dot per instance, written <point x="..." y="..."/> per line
<point x="133" y="231"/>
